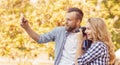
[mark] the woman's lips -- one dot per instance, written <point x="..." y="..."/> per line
<point x="88" y="35"/>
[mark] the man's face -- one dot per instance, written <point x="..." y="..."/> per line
<point x="71" y="21"/>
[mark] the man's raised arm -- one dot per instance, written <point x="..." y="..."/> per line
<point x="25" y="25"/>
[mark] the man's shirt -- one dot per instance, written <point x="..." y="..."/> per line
<point x="68" y="56"/>
<point x="59" y="36"/>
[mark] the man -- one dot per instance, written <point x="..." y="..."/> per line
<point x="65" y="44"/>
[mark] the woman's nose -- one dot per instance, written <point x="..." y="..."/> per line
<point x="86" y="31"/>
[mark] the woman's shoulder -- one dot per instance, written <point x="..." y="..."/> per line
<point x="100" y="44"/>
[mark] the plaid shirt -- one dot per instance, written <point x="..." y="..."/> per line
<point x="97" y="54"/>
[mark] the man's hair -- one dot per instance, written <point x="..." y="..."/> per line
<point x="79" y="13"/>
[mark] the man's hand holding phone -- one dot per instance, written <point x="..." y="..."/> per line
<point x="24" y="22"/>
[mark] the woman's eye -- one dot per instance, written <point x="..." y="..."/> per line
<point x="87" y="28"/>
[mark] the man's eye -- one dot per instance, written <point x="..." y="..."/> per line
<point x="69" y="20"/>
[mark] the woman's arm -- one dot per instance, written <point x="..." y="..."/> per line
<point x="79" y="51"/>
<point x="95" y="51"/>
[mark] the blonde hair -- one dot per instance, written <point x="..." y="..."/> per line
<point x="100" y="33"/>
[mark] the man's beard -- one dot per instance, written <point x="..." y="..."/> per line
<point x="70" y="29"/>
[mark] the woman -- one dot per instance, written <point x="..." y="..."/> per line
<point x="101" y="51"/>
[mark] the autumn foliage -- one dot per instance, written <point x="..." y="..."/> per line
<point x="43" y="16"/>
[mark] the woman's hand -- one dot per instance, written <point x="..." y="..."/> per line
<point x="79" y="51"/>
<point x="80" y="38"/>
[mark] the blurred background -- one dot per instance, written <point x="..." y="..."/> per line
<point x="17" y="48"/>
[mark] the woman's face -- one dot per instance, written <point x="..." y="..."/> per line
<point x="88" y="31"/>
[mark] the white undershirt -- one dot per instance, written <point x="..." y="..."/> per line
<point x="69" y="51"/>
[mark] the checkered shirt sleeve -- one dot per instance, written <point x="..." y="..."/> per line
<point x="96" y="50"/>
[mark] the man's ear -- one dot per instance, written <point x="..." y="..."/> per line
<point x="78" y="22"/>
